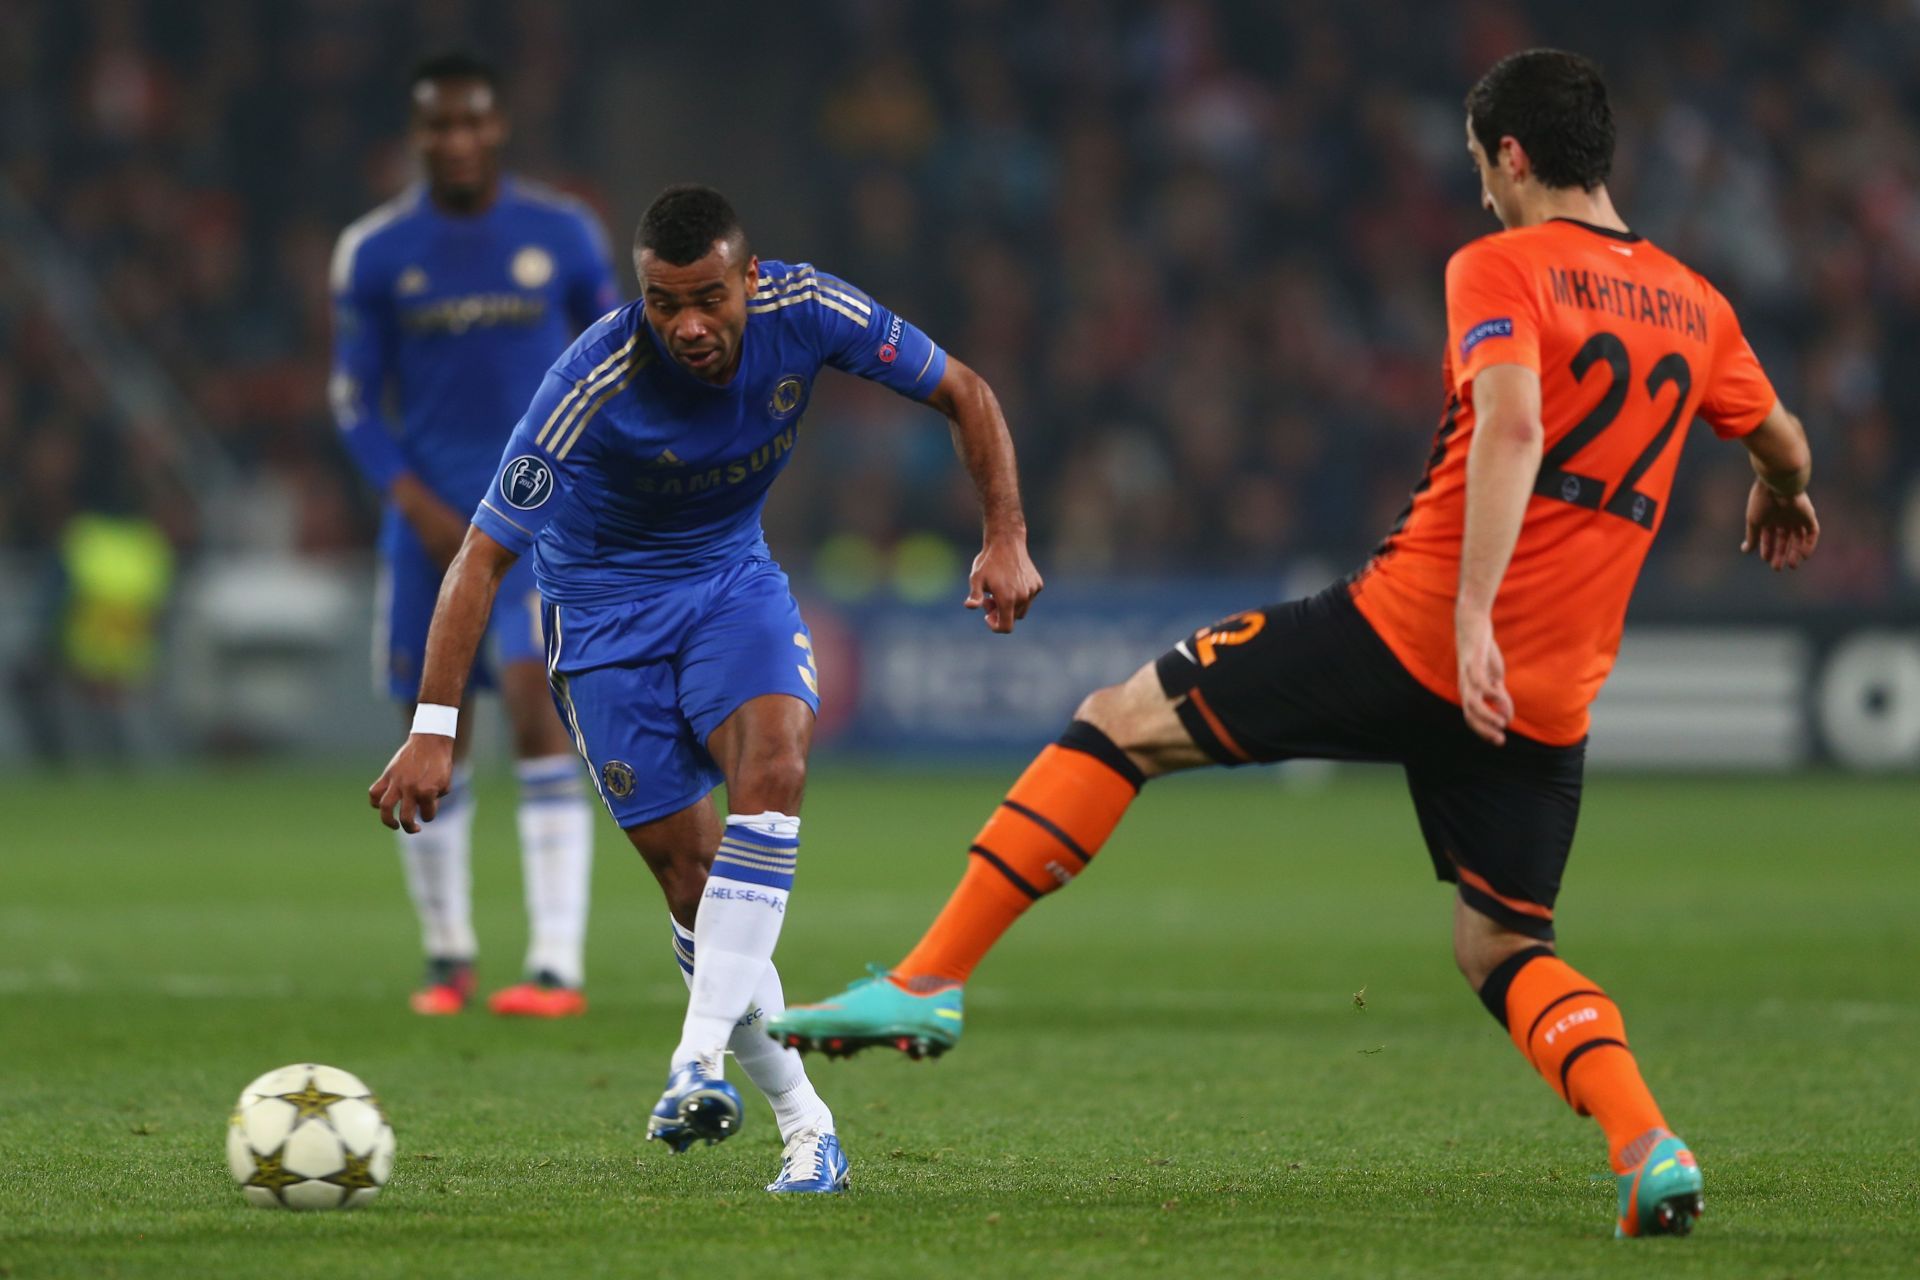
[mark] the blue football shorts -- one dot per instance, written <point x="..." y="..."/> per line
<point x="641" y="685"/>
<point x="410" y="584"/>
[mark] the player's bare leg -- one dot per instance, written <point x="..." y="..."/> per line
<point x="1573" y="1035"/>
<point x="556" y="850"/>
<point x="678" y="849"/>
<point x="1481" y="944"/>
<point x="1139" y="717"/>
<point x="1052" y="823"/>
<point x="438" y="863"/>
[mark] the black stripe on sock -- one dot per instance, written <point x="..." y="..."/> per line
<point x="1088" y="739"/>
<point x="1577" y="1054"/>
<point x="980" y="851"/>
<point x="1493" y="992"/>
<point x="1052" y="828"/>
<point x="1542" y="1015"/>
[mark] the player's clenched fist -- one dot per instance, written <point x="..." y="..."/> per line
<point x="409" y="792"/>
<point x="1003" y="582"/>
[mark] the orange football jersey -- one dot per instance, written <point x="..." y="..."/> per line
<point x="1630" y="345"/>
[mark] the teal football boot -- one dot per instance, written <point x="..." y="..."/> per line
<point x="873" y="1011"/>
<point x="1659" y="1195"/>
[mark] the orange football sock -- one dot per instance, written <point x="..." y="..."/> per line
<point x="1051" y="824"/>
<point x="1573" y="1035"/>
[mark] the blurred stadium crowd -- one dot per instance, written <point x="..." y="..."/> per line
<point x="1196" y="247"/>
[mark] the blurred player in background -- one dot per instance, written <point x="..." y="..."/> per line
<point x="455" y="297"/>
<point x="674" y="648"/>
<point x="1471" y="646"/>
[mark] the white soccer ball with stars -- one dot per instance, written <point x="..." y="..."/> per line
<point x="309" y="1137"/>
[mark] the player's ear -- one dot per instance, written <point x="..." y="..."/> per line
<point x="751" y="272"/>
<point x="1513" y="159"/>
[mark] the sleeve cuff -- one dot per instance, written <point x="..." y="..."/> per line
<point x="931" y="373"/>
<point x="1464" y="378"/>
<point x="502" y="528"/>
<point x="1743" y="425"/>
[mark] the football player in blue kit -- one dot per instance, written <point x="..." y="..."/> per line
<point x="674" y="649"/>
<point x="453" y="300"/>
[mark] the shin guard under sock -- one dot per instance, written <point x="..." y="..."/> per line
<point x="1051" y="824"/>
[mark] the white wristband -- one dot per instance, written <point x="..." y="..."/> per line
<point x="431" y="717"/>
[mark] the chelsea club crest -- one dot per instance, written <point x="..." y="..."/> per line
<point x="617" y="777"/>
<point x="532" y="267"/>
<point x="786" y="397"/>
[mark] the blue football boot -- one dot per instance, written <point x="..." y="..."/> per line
<point x="812" y="1164"/>
<point x="698" y="1106"/>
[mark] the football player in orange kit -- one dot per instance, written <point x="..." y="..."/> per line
<point x="1471" y="645"/>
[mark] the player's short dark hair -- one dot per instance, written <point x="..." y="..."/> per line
<point x="683" y="221"/>
<point x="455" y="65"/>
<point x="1555" y="104"/>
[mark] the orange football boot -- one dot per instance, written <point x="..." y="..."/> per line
<point x="541" y="996"/>
<point x="449" y="987"/>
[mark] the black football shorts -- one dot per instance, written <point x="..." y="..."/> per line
<point x="1312" y="679"/>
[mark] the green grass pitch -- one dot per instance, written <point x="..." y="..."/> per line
<point x="1166" y="1070"/>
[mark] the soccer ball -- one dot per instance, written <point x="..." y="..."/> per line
<point x="309" y="1137"/>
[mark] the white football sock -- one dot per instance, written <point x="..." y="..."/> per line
<point x="556" y="855"/>
<point x="736" y="927"/>
<point x="438" y="860"/>
<point x="778" y="1072"/>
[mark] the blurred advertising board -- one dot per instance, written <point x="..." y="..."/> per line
<point x="270" y="655"/>
<point x="929" y="680"/>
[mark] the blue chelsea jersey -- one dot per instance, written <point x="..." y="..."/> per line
<point x="459" y="317"/>
<point x="628" y="472"/>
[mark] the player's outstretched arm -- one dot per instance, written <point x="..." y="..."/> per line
<point x="1502" y="463"/>
<point x="408" y="792"/>
<point x="1781" y="525"/>
<point x="1004" y="580"/>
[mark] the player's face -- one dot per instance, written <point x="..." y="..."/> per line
<point x="458" y="130"/>
<point x="700" y="310"/>
<point x="1496" y="187"/>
